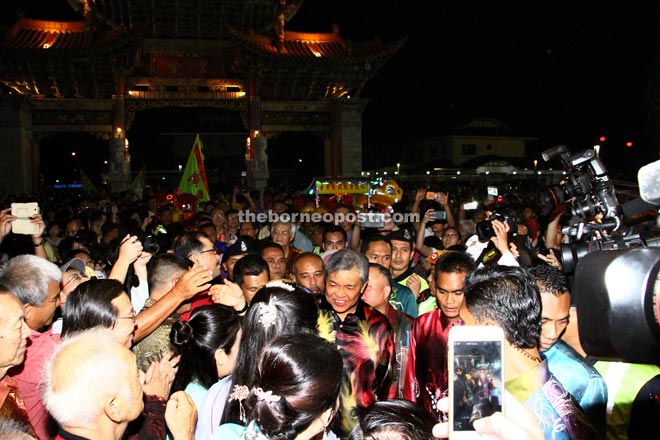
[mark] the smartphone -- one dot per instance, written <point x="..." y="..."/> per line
<point x="244" y="187"/>
<point x="372" y="219"/>
<point x="23" y="212"/>
<point x="470" y="205"/>
<point x="476" y="378"/>
<point x="439" y="215"/>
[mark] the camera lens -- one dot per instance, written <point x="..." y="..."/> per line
<point x="571" y="254"/>
<point x="150" y="245"/>
<point x="485" y="230"/>
<point x="584" y="208"/>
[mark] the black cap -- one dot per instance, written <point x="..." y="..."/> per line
<point x="243" y="245"/>
<point x="402" y="234"/>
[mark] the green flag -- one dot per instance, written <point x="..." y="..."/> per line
<point x="138" y="182"/>
<point x="194" y="180"/>
<point x="87" y="184"/>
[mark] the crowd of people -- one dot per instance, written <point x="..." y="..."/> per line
<point x="128" y="317"/>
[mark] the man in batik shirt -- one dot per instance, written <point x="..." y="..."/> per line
<point x="362" y="334"/>
<point x="575" y="372"/>
<point x="426" y="370"/>
<point x="508" y="297"/>
<point x="377" y="295"/>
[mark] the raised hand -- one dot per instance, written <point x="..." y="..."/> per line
<point x="228" y="294"/>
<point x="181" y="416"/>
<point x="197" y="279"/>
<point x="6" y="220"/>
<point x="160" y="375"/>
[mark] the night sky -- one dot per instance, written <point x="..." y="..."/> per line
<point x="564" y="72"/>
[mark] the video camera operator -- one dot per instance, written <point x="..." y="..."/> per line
<point x="615" y="271"/>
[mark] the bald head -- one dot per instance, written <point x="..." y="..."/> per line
<point x="92" y="381"/>
<point x="308" y="270"/>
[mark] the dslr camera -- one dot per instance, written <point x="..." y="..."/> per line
<point x="149" y="244"/>
<point x="586" y="191"/>
<point x="485" y="229"/>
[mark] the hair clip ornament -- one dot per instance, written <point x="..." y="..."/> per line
<point x="281" y="284"/>
<point x="267" y="313"/>
<point x="268" y="396"/>
<point x="240" y="393"/>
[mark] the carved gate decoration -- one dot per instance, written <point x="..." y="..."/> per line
<point x="120" y="57"/>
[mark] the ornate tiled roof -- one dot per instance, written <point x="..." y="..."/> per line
<point x="322" y="47"/>
<point x="29" y="35"/>
<point x="302" y="65"/>
<point x="93" y="55"/>
<point x="190" y="18"/>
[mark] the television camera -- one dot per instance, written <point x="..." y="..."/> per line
<point x="586" y="192"/>
<point x="615" y="271"/>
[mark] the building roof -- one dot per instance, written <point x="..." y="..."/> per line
<point x="90" y="54"/>
<point x="321" y="47"/>
<point x="28" y="35"/>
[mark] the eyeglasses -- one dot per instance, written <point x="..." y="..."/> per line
<point x="132" y="317"/>
<point x="208" y="250"/>
<point x="76" y="277"/>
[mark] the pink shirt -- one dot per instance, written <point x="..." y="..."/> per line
<point x="28" y="377"/>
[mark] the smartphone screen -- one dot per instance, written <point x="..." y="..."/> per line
<point x="476" y="385"/>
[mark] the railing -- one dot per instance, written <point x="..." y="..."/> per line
<point x="184" y="94"/>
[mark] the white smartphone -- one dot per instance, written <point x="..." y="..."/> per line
<point x="476" y="377"/>
<point x="23" y="212"/>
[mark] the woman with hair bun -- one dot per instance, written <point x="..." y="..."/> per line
<point x="208" y="345"/>
<point x="393" y="419"/>
<point x="295" y="392"/>
<point x="279" y="308"/>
